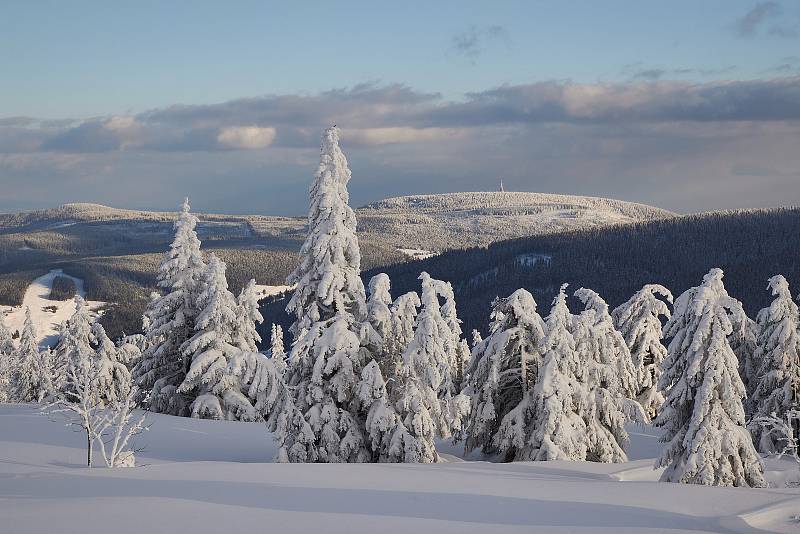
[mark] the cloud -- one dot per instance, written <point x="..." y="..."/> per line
<point x="637" y="72"/>
<point x="472" y="42"/>
<point x="246" y="137"/>
<point x="755" y="100"/>
<point x="759" y="18"/>
<point x="685" y="146"/>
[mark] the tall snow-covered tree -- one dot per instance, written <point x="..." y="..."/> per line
<point x="32" y="381"/>
<point x="246" y="336"/>
<point x="113" y="380"/>
<point x="428" y="364"/>
<point x="8" y="359"/>
<point x="639" y="322"/>
<point x="379" y="316"/>
<point x="212" y="346"/>
<point x="389" y="439"/>
<point x="778" y="350"/>
<point x="702" y="417"/>
<point x="328" y="277"/>
<point x="74" y="348"/>
<point x="404" y="316"/>
<point x="546" y="424"/>
<point x="608" y="376"/>
<point x="503" y="369"/>
<point x="456" y="345"/>
<point x="329" y="307"/>
<point x="170" y="318"/>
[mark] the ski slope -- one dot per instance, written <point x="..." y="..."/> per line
<point x="47" y="314"/>
<point x="215" y="476"/>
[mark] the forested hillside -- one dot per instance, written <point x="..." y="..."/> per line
<point x="750" y="246"/>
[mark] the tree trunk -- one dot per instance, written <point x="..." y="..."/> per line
<point x="88" y="449"/>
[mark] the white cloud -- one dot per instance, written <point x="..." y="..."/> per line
<point x="246" y="137"/>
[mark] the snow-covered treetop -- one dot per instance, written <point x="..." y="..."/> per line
<point x="183" y="257"/>
<point x="328" y="276"/>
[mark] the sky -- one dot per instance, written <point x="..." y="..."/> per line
<point x="687" y="105"/>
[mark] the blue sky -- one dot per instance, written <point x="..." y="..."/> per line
<point x="88" y="88"/>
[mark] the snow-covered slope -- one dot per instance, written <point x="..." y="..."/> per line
<point x="215" y="476"/>
<point x="47" y="314"/>
<point x="456" y="220"/>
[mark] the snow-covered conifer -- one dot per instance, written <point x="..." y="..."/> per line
<point x="74" y="348"/>
<point x="546" y="424"/>
<point x="404" y="316"/>
<point x="32" y="381"/>
<point x="778" y="350"/>
<point x="456" y="346"/>
<point x="329" y="305"/>
<point x="170" y="320"/>
<point x="328" y="277"/>
<point x="212" y="345"/>
<point x="429" y="362"/>
<point x="8" y="359"/>
<point x="389" y="439"/>
<point x="265" y="397"/>
<point x="503" y="369"/>
<point x="607" y="374"/>
<point x="379" y="316"/>
<point x="277" y="352"/>
<point x="702" y="416"/>
<point x="113" y="380"/>
<point x="743" y="342"/>
<point x="246" y="337"/>
<point x="639" y="322"/>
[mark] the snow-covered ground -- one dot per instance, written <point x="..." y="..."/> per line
<point x="209" y="476"/>
<point x="417" y="253"/>
<point x="265" y="291"/>
<point x="47" y="314"/>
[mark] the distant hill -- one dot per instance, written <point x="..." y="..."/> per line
<point x="461" y="220"/>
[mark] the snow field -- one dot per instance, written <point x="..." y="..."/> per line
<point x="205" y="476"/>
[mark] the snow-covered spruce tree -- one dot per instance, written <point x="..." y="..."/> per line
<point x="456" y="345"/>
<point x="743" y="343"/>
<point x="639" y="322"/>
<point x="503" y="368"/>
<point x="169" y="320"/>
<point x="31" y="381"/>
<point x="404" y="316"/>
<point x="74" y="348"/>
<point x="8" y="359"/>
<point x="389" y="439"/>
<point x="329" y="306"/>
<point x="702" y="416"/>
<point x="546" y="424"/>
<point x="245" y="336"/>
<point x="113" y="380"/>
<point x="265" y="397"/>
<point x="277" y="353"/>
<point x="609" y="380"/>
<point x="379" y="316"/>
<point x="778" y="350"/>
<point x="216" y="330"/>
<point x="428" y="364"/>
